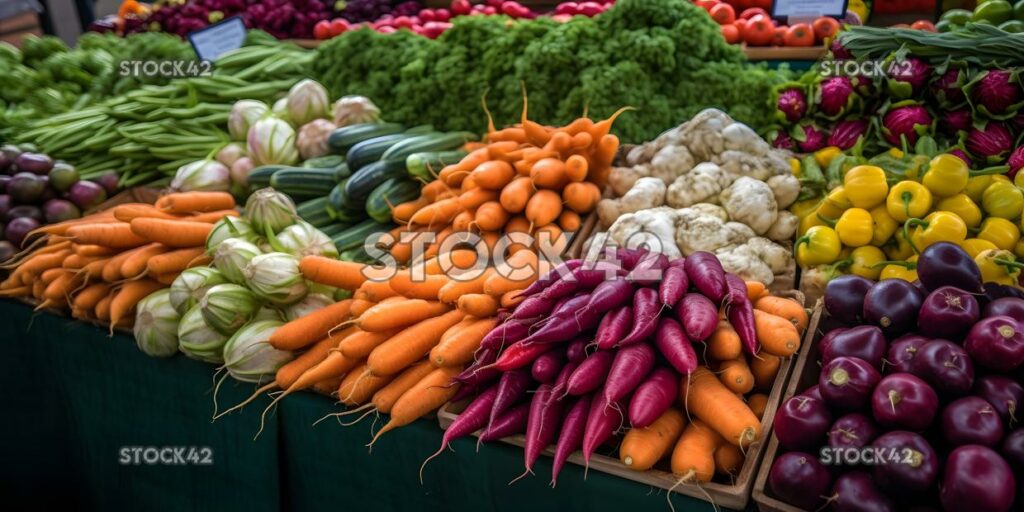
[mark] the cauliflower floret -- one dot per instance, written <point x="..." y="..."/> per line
<point x="741" y="137"/>
<point x="706" y="233"/>
<point x="784" y="228"/>
<point x="743" y="261"/>
<point x="777" y="257"/>
<point x="671" y="162"/>
<point x="751" y="202"/>
<point x="711" y="209"/>
<point x="786" y="188"/>
<point x="622" y="179"/>
<point x="702" y="184"/>
<point x="646" y="193"/>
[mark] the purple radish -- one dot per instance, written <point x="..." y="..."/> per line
<point x="554" y="275"/>
<point x="532" y="307"/>
<point x="996" y="343"/>
<point x="576" y="351"/>
<point x="865" y="341"/>
<point x="542" y="426"/>
<point x="614" y="327"/>
<point x="1004" y="394"/>
<point x="977" y="478"/>
<point x="675" y="347"/>
<point x="645" y="316"/>
<point x="799" y="479"/>
<point x="813" y="392"/>
<point x="971" y="420"/>
<point x="602" y="421"/>
<point x="473" y="418"/>
<point x="506" y="334"/>
<point x="480" y="372"/>
<point x="590" y="374"/>
<point x="562" y="380"/>
<point x="512" y="387"/>
<point x="854" y="430"/>
<point x="629" y="258"/>
<point x="1006" y="306"/>
<point x="945" y="366"/>
<point x="846" y="382"/>
<point x="653" y="397"/>
<point x="740" y="312"/>
<point x="902" y="401"/>
<point x="902" y="352"/>
<point x="706" y="273"/>
<point x="563" y="329"/>
<point x="909" y="464"/>
<point x="698" y="315"/>
<point x="571" y="438"/>
<point x="673" y="286"/>
<point x="948" y="312"/>
<point x="608" y="296"/>
<point x="856" y="492"/>
<point x="649" y="270"/>
<point x="509" y="424"/>
<point x="629" y="368"/>
<point x="569" y="308"/>
<point x="802" y="423"/>
<point x="546" y="367"/>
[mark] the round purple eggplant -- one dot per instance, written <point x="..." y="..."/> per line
<point x="7" y="250"/>
<point x="86" y="195"/>
<point x="844" y="298"/>
<point x="893" y="305"/>
<point x="947" y="264"/>
<point x="1006" y="306"/>
<point x="35" y="163"/>
<point x="902" y="352"/>
<point x="25" y="210"/>
<point x="997" y="343"/>
<point x="865" y="342"/>
<point x="18" y="229"/>
<point x="847" y="382"/>
<point x="1006" y="395"/>
<point x="945" y="366"/>
<point x="802" y="423"/>
<point x="62" y="176"/>
<point x="856" y="492"/>
<point x="4" y="180"/>
<point x="995" y="291"/>
<point x="813" y="392"/>
<point x="971" y="420"/>
<point x="26" y="188"/>
<point x="905" y="402"/>
<point x="948" y="312"/>
<point x="1013" y="449"/>
<point x="854" y="430"/>
<point x="908" y="463"/>
<point x="799" y="479"/>
<point x="977" y="479"/>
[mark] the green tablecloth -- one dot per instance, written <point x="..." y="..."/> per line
<point x="73" y="397"/>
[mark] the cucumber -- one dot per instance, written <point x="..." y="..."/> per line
<point x="260" y="176"/>
<point x="297" y="181"/>
<point x="342" y="139"/>
<point x="357" y="255"/>
<point x="334" y="228"/>
<point x="326" y="161"/>
<point x="425" y="166"/>
<point x="341" y="171"/>
<point x="421" y="129"/>
<point x="391" y="192"/>
<point x="358" y="234"/>
<point x="345" y="209"/>
<point x="369" y="151"/>
<point x="431" y="142"/>
<point x="370" y="177"/>
<point x="315" y="212"/>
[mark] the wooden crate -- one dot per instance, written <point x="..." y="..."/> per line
<point x="734" y="496"/>
<point x="811" y="53"/>
<point x="579" y="239"/>
<point x="805" y="374"/>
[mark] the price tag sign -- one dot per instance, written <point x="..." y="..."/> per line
<point x="217" y="39"/>
<point x="808" y="8"/>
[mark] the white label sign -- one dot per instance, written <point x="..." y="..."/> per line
<point x="217" y="39"/>
<point x="808" y="8"/>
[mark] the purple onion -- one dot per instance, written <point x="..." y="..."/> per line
<point x="836" y="96"/>
<point x="845" y="134"/>
<point x="792" y="104"/>
<point x="992" y="143"/>
<point x="909" y="121"/>
<point x="995" y="94"/>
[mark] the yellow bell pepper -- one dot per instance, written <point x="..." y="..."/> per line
<point x="1003" y="200"/>
<point x="825" y="156"/>
<point x="896" y="153"/>
<point x="808" y="222"/>
<point x="1018" y="250"/>
<point x="899" y="248"/>
<point x="794" y="165"/>
<point x="884" y="225"/>
<point x="905" y="270"/>
<point x="834" y="205"/>
<point x="976" y="186"/>
<point x="974" y="246"/>
<point x="908" y="200"/>
<point x="947" y="175"/>
<point x="855" y="227"/>
<point x="1001" y="178"/>
<point x="1002" y="233"/>
<point x="864" y="262"/>
<point x="806" y="207"/>
<point x="818" y="246"/>
<point x="963" y="207"/>
<point x="917" y="162"/>
<point x="936" y="227"/>
<point x="865" y="186"/>
<point x="998" y="266"/>
<point x="1018" y="179"/>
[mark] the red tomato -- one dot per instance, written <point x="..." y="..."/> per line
<point x="800" y="34"/>
<point x="387" y="30"/>
<point x="322" y="29"/>
<point x="427" y="15"/>
<point x="741" y="27"/>
<point x="339" y="26"/>
<point x="403" y="22"/>
<point x="706" y="4"/>
<point x="824" y="28"/>
<point x="490" y="10"/>
<point x="461" y="7"/>
<point x="723" y="13"/>
<point x="779" y="35"/>
<point x="753" y="11"/>
<point x="731" y="34"/>
<point x="925" y="25"/>
<point x="442" y="15"/>
<point x="759" y="31"/>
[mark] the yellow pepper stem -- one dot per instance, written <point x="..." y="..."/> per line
<point x="906" y="231"/>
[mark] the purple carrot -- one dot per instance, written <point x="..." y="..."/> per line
<point x="614" y="327"/>
<point x="558" y="388"/>
<point x="630" y="257"/>
<point x="571" y="439"/>
<point x="653" y="397"/>
<point x="645" y="316"/>
<point x="649" y="270"/>
<point x="509" y="424"/>
<point x="479" y="373"/>
<point x="630" y="367"/>
<point x="563" y="328"/>
<point x="741" y="313"/>
<point x="706" y="273"/>
<point x="698" y="315"/>
<point x="546" y="367"/>
<point x="675" y="347"/>
<point x="609" y="295"/>
<point x="673" y="286"/>
<point x="473" y="418"/>
<point x="532" y="307"/>
<point x="590" y="374"/>
<point x="512" y="387"/>
<point x="507" y="334"/>
<point x="552" y="276"/>
<point x="577" y="350"/>
<point x="602" y="421"/>
<point x="542" y="426"/>
<point x="681" y="262"/>
<point x="519" y="355"/>
<point x="568" y="308"/>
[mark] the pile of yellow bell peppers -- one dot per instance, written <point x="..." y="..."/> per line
<point x="875" y="226"/>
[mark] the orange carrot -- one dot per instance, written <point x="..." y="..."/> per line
<point x="479" y="305"/>
<point x="401" y="213"/>
<point x="437" y="214"/>
<point x="87" y="251"/>
<point x="360" y="343"/>
<point x="127" y="212"/>
<point x="376" y="291"/>
<point x="174" y="261"/>
<point x="213" y="217"/>
<point x="724" y="343"/>
<point x="513" y="134"/>
<point x="193" y="202"/>
<point x="581" y="197"/>
<point x="172" y="233"/>
<point x="359" y="386"/>
<point x="736" y="376"/>
<point x="549" y="173"/>
<point x="102" y="311"/>
<point x="339" y="274"/>
<point x="756" y="290"/>
<point x="490" y="216"/>
<point x="90" y="295"/>
<point x="116" y="235"/>
<point x="728" y="459"/>
<point x="135" y="265"/>
<point x="512" y="299"/>
<point x="518" y="272"/>
<point x="543" y="208"/>
<point x="757" y="403"/>
<point x="410" y="344"/>
<point x="471" y="199"/>
<point x="450" y="293"/>
<point x="516" y="195"/>
<point x="458" y="348"/>
<point x="359" y="306"/>
<point x="786" y="308"/>
<point x="418" y="287"/>
<point x="129" y="295"/>
<point x="777" y="335"/>
<point x="642" y="448"/>
<point x="311" y="328"/>
<point x="385" y="399"/>
<point x="705" y="397"/>
<point x="112" y="270"/>
<point x="401" y="314"/>
<point x="425" y="396"/>
<point x="765" y="367"/>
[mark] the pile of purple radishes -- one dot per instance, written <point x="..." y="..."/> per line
<point x="917" y="400"/>
<point x="35" y="190"/>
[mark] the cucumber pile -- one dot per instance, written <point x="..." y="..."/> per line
<point x="373" y="166"/>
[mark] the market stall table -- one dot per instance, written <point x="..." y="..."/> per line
<point x="74" y="396"/>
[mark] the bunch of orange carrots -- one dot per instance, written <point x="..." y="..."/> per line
<point x="101" y="265"/>
<point x="527" y="178"/>
<point x="397" y="344"/>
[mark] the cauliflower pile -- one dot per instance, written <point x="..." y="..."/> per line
<point x="711" y="184"/>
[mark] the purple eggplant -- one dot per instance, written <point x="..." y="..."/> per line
<point x="813" y="392"/>
<point x="35" y="163"/>
<point x="802" y="423"/>
<point x="7" y="249"/>
<point x="844" y="298"/>
<point x="1006" y="306"/>
<point x="996" y="343"/>
<point x="945" y="366"/>
<point x="26" y="188"/>
<point x="799" y="479"/>
<point x="1004" y="394"/>
<point x="948" y="312"/>
<point x="977" y="479"/>
<point x="893" y="305"/>
<point x="846" y="382"/>
<point x="971" y="420"/>
<point x="905" y="402"/>
<point x="902" y="352"/>
<point x="909" y="464"/>
<point x="866" y="342"/>
<point x="18" y="229"/>
<point x="854" y="430"/>
<point x="1013" y="449"/>
<point x="856" y="492"/>
<point x="994" y="291"/>
<point x="25" y="210"/>
<point x="946" y="264"/>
